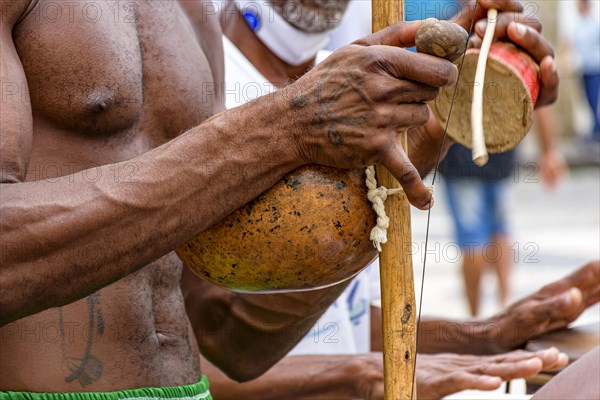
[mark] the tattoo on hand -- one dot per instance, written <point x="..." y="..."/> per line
<point x="325" y="102"/>
<point x="300" y="101"/>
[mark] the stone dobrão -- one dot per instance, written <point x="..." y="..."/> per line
<point x="310" y="230"/>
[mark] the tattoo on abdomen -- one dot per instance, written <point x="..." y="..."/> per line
<point x="87" y="368"/>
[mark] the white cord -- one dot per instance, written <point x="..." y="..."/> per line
<point x="480" y="154"/>
<point x="377" y="196"/>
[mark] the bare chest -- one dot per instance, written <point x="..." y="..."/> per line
<point x="117" y="75"/>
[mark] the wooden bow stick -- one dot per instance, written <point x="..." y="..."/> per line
<point x="442" y="39"/>
<point x="398" y="308"/>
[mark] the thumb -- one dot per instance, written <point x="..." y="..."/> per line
<point x="400" y="34"/>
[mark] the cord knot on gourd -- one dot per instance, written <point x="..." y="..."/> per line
<point x="377" y="195"/>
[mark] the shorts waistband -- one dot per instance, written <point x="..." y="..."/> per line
<point x="196" y="391"/>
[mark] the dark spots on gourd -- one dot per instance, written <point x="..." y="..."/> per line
<point x="338" y="227"/>
<point x="320" y="195"/>
<point x="305" y="229"/>
<point x="207" y="274"/>
<point x="295" y="213"/>
<point x="273" y="229"/>
<point x="275" y="214"/>
<point x="234" y="266"/>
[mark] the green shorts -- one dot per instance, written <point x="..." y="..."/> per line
<point x="196" y="391"/>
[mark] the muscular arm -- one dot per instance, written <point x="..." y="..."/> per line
<point x="64" y="238"/>
<point x="246" y="334"/>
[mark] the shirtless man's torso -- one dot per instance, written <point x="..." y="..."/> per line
<point x="108" y="81"/>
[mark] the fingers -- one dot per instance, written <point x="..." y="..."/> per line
<point x="409" y="115"/>
<point x="540" y="313"/>
<point x="503" y="22"/>
<point x="403" y="64"/>
<point x="530" y="40"/>
<point x="585" y="278"/>
<point x="552" y="359"/>
<point x="501" y="5"/>
<point x="592" y="297"/>
<point x="453" y="373"/>
<point x="552" y="313"/>
<point x="521" y="364"/>
<point x="424" y="144"/>
<point x="465" y="17"/>
<point x="557" y="311"/>
<point x="396" y="161"/>
<point x="525" y="33"/>
<point x="549" y="82"/>
<point x="475" y="42"/>
<point x="462" y="380"/>
<point x="401" y="34"/>
<point x="403" y="91"/>
<point x="510" y="370"/>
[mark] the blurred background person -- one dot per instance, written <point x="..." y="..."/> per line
<point x="585" y="40"/>
<point x="476" y="198"/>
